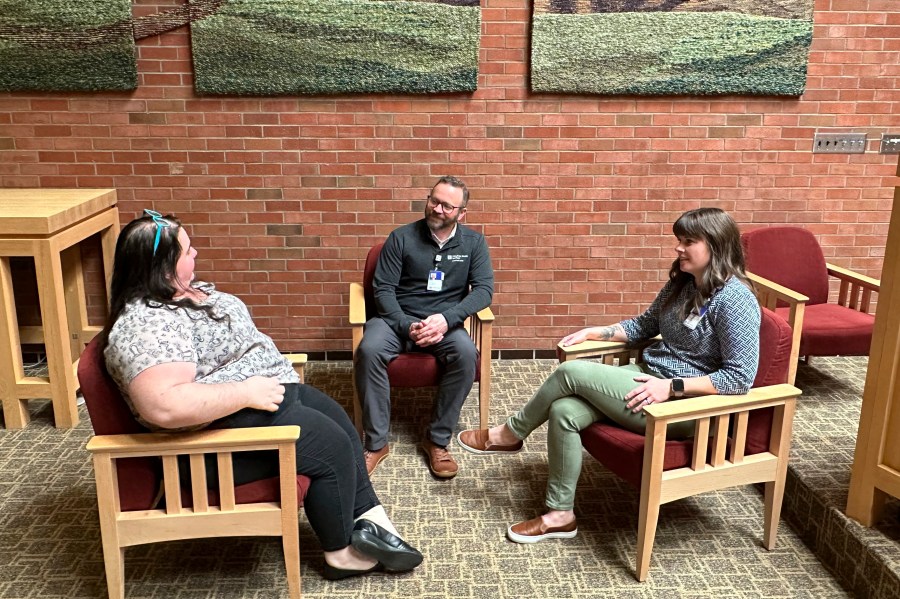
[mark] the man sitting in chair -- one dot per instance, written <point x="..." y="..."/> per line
<point x="431" y="275"/>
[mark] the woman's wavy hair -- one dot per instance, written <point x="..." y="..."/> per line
<point x="141" y="274"/>
<point x="721" y="234"/>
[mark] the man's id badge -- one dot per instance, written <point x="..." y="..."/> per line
<point x="435" y="280"/>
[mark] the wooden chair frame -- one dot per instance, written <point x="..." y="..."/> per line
<point x="120" y="529"/>
<point x="726" y="467"/>
<point x="480" y="329"/>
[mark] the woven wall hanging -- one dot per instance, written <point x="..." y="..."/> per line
<point x="285" y="47"/>
<point x="670" y="47"/>
<point x="66" y="45"/>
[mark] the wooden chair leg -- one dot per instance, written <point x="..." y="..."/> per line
<point x="484" y="402"/>
<point x="774" y="497"/>
<point x="647" y="522"/>
<point x="651" y="491"/>
<point x="291" y="543"/>
<point x="357" y="409"/>
<point x="114" y="561"/>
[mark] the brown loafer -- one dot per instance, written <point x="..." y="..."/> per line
<point x="373" y="458"/>
<point x="476" y="441"/>
<point x="534" y="530"/>
<point x="440" y="462"/>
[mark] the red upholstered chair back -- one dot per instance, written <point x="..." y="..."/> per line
<point x="368" y="277"/>
<point x="138" y="477"/>
<point x="409" y="369"/>
<point x="623" y="451"/>
<point x="789" y="256"/>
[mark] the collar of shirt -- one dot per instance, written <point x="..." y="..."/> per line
<point x="440" y="243"/>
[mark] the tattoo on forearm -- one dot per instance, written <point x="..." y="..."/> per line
<point x="606" y="333"/>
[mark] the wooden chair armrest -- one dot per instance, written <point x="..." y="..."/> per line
<point x="155" y="444"/>
<point x="485" y="315"/>
<point x="706" y="406"/>
<point x="298" y="363"/>
<point x="774" y="289"/>
<point x="588" y="349"/>
<point x="853" y="277"/>
<point x="357" y="304"/>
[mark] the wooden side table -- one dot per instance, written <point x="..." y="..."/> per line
<point x="47" y="225"/>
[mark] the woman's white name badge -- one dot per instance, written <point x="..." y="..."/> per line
<point x="693" y="319"/>
<point x="435" y="280"/>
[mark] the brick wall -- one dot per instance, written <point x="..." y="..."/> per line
<point x="576" y="194"/>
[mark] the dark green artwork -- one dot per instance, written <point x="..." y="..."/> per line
<point x="66" y="45"/>
<point x="285" y="47"/>
<point x="669" y="47"/>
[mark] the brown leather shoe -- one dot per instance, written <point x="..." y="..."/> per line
<point x="440" y="462"/>
<point x="534" y="530"/>
<point x="373" y="458"/>
<point x="476" y="441"/>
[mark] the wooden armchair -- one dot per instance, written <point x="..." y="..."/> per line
<point x="793" y="259"/>
<point x="750" y="440"/>
<point x="418" y="369"/>
<point x="136" y="469"/>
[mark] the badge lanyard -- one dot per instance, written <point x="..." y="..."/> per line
<point x="436" y="276"/>
<point x="693" y="319"/>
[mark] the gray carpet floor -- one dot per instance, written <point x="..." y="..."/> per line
<point x="706" y="546"/>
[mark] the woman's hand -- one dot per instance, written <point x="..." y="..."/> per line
<point x="651" y="390"/>
<point x="263" y="393"/>
<point x="576" y="338"/>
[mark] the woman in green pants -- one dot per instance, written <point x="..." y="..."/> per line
<point x="709" y="320"/>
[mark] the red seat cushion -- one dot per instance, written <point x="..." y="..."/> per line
<point x="623" y="451"/>
<point x="267" y="489"/>
<point x="419" y="370"/>
<point x="832" y="330"/>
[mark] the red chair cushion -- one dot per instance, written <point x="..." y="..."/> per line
<point x="622" y="451"/>
<point x="140" y="478"/>
<point x="419" y="370"/>
<point x="830" y="330"/>
<point x="789" y="256"/>
<point x="267" y="489"/>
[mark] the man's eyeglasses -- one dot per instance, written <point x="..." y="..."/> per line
<point x="445" y="206"/>
<point x="160" y="224"/>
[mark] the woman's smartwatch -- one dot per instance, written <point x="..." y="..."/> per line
<point x="677" y="388"/>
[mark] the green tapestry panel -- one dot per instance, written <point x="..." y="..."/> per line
<point x="283" y="47"/>
<point x="696" y="47"/>
<point x="66" y="45"/>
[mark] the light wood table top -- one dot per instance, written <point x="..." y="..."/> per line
<point x="45" y="211"/>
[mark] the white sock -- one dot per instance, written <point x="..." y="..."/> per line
<point x="379" y="517"/>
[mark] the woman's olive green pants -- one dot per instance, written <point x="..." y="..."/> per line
<point x="576" y="395"/>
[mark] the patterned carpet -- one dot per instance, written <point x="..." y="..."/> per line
<point x="706" y="546"/>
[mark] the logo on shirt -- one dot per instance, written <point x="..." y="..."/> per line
<point x="457" y="257"/>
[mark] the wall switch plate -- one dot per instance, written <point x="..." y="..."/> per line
<point x="890" y="143"/>
<point x="839" y="143"/>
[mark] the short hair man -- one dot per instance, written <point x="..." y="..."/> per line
<point x="432" y="274"/>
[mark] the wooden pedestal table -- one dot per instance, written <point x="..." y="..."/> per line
<point x="47" y="225"/>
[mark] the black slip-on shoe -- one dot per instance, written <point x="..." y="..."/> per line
<point x="393" y="552"/>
